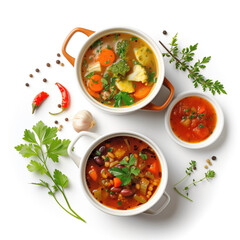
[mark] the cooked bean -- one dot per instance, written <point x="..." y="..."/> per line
<point x="127" y="192"/>
<point x="112" y="164"/>
<point x="113" y="196"/>
<point x="116" y="189"/>
<point x="102" y="149"/>
<point x="99" y="161"/>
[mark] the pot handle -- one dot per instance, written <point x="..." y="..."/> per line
<point x="154" y="107"/>
<point x="150" y="211"/>
<point x="65" y="43"/>
<point x="71" y="153"/>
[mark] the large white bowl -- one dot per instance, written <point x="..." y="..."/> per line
<point x="81" y="162"/>
<point x="146" y="102"/>
<point x="217" y="131"/>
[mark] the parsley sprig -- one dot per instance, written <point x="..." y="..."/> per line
<point x="43" y="144"/>
<point x="182" y="61"/>
<point x="125" y="174"/>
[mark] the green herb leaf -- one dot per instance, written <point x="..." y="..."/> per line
<point x="133" y="38"/>
<point x="119" y="68"/>
<point x="60" y="179"/>
<point x="90" y="75"/>
<point x="143" y="156"/>
<point x="26" y="150"/>
<point x="29" y="136"/>
<point x="57" y="148"/>
<point x="96" y="44"/>
<point x="123" y="98"/>
<point x="35" y="166"/>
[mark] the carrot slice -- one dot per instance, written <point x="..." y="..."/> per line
<point x="153" y="168"/>
<point x="201" y="109"/>
<point x="141" y="90"/>
<point x="93" y="174"/>
<point x="93" y="94"/>
<point x="117" y="182"/>
<point x="95" y="83"/>
<point x="106" y="57"/>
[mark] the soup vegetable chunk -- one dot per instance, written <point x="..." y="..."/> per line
<point x="193" y="119"/>
<point x="123" y="173"/>
<point x="119" y="70"/>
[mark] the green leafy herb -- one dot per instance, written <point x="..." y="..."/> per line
<point x="188" y="171"/>
<point x="90" y="75"/>
<point x="187" y="110"/>
<point x="108" y="47"/>
<point x="96" y="43"/>
<point x="119" y="68"/>
<point x="208" y="175"/>
<point x="119" y="203"/>
<point x="42" y="145"/>
<point x="143" y="156"/>
<point x="124" y="174"/>
<point x="133" y="38"/>
<point x="84" y="62"/>
<point x="182" y="61"/>
<point x="116" y="37"/>
<point x="108" y="61"/>
<point x="122" y="48"/>
<point x="110" y="149"/>
<point x="151" y="77"/>
<point x="123" y="98"/>
<point x="200" y="125"/>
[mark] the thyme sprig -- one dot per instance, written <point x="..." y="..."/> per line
<point x="182" y="61"/>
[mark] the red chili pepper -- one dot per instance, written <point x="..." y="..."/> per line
<point x="65" y="98"/>
<point x="38" y="100"/>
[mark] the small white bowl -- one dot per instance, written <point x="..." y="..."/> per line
<point x="217" y="131"/>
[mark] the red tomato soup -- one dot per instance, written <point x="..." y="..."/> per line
<point x="123" y="173"/>
<point x="193" y="119"/>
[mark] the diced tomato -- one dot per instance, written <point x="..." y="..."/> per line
<point x="201" y="132"/>
<point x="194" y="122"/>
<point x="201" y="109"/>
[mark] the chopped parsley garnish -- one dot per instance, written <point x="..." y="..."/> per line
<point x="123" y="98"/>
<point x="96" y="44"/>
<point x="187" y="110"/>
<point x="108" y="61"/>
<point x="200" y="125"/>
<point x="143" y="156"/>
<point x="98" y="153"/>
<point x="133" y="38"/>
<point x="90" y="75"/>
<point x="110" y="149"/>
<point x="124" y="174"/>
<point x="119" y="203"/>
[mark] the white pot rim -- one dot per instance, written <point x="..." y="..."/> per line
<point x="82" y="173"/>
<point x="135" y="32"/>
<point x="219" y="125"/>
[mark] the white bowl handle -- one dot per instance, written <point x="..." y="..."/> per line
<point x="73" y="155"/>
<point x="150" y="211"/>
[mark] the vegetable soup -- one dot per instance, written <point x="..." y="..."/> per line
<point x="193" y="119"/>
<point x="119" y="70"/>
<point x="123" y="173"/>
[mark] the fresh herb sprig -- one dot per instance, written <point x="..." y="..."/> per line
<point x="188" y="171"/>
<point x="124" y="174"/>
<point x="208" y="175"/>
<point x="182" y="61"/>
<point x="43" y="144"/>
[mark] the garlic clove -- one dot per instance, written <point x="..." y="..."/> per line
<point x="83" y="121"/>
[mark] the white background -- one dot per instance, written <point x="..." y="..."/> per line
<point x="32" y="33"/>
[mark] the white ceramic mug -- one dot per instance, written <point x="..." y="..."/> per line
<point x="143" y="104"/>
<point x="147" y="207"/>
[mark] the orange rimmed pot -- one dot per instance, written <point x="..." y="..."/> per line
<point x="146" y="103"/>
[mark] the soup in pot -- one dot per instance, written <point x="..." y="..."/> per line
<point x="123" y="173"/>
<point x="119" y="70"/>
